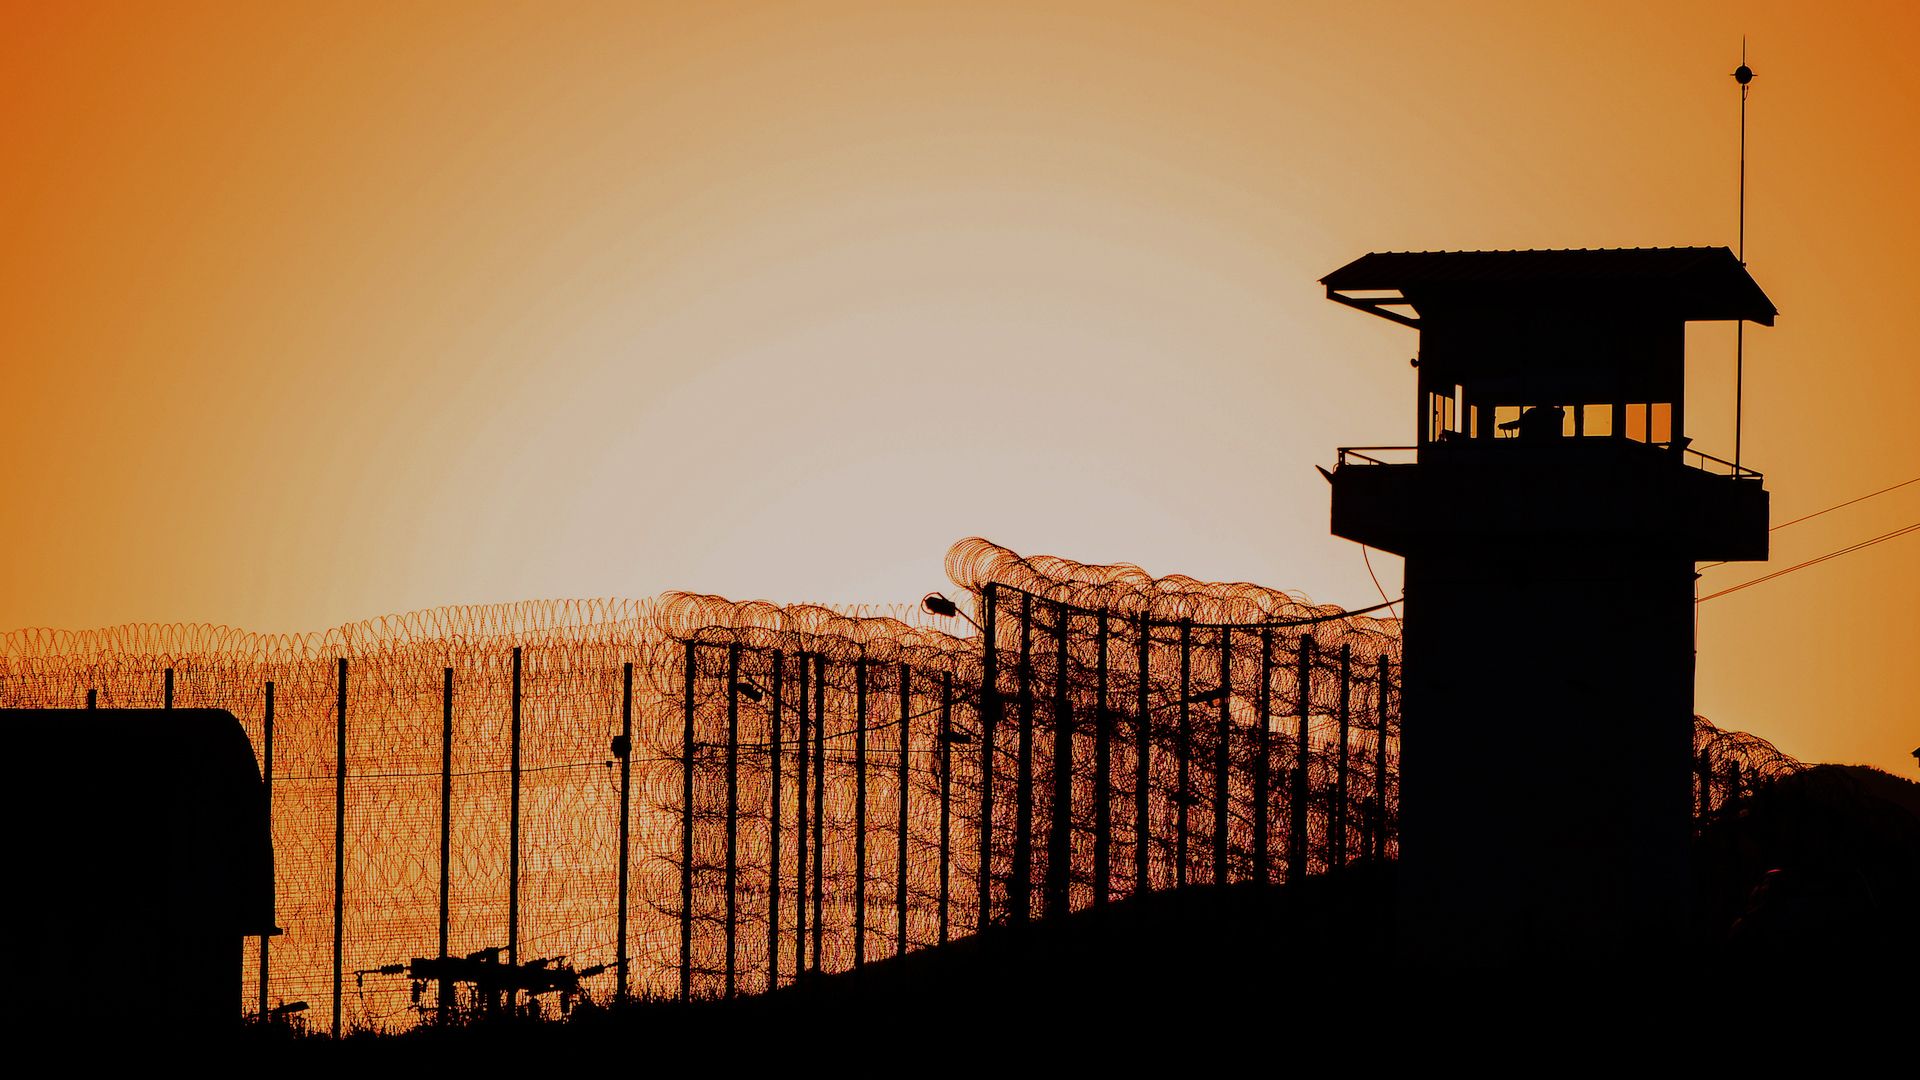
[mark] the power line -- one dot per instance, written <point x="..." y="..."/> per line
<point x="1849" y="502"/>
<point x="1882" y="538"/>
<point x="1364" y="557"/>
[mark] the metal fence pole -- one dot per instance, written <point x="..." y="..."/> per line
<point x="733" y="813"/>
<point x="1102" y="769"/>
<point x="860" y="811"/>
<point x="800" y="823"/>
<point x="1183" y="795"/>
<point x="626" y="824"/>
<point x="819" y="799"/>
<point x="1339" y="838"/>
<point x="446" y="833"/>
<point x="1222" y="760"/>
<point x="989" y="724"/>
<point x="1297" y="802"/>
<point x="773" y="824"/>
<point x="900" y="852"/>
<point x="1143" y="767"/>
<point x="1263" y="760"/>
<point x="513" y="842"/>
<point x="946" y="798"/>
<point x="1380" y="765"/>
<point x="688" y="747"/>
<point x="339" y="832"/>
<point x="1020" y="888"/>
<point x="266" y="781"/>
<point x="1060" y="821"/>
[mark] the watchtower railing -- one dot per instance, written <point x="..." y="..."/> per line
<point x="1406" y="455"/>
<point x="1376" y="455"/>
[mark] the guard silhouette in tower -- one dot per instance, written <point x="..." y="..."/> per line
<point x="1551" y="514"/>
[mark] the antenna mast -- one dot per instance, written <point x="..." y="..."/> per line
<point x="1744" y="76"/>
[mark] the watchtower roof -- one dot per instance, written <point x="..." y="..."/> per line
<point x="1692" y="283"/>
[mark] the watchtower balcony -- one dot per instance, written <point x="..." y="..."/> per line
<point x="1550" y="493"/>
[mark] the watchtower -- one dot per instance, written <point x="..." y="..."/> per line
<point x="1551" y="513"/>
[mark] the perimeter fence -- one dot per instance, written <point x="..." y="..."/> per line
<point x="690" y="797"/>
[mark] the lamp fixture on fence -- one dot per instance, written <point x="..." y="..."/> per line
<point x="936" y="604"/>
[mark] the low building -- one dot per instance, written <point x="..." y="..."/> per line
<point x="144" y="861"/>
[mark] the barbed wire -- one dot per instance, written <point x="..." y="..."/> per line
<point x="812" y="787"/>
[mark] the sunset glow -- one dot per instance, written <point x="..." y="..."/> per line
<point x="315" y="312"/>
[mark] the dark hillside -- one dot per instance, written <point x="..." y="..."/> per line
<point x="1818" y="868"/>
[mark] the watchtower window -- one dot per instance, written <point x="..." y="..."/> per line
<point x="1650" y="423"/>
<point x="1535" y="422"/>
<point x="1446" y="414"/>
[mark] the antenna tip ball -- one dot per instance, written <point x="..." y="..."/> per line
<point x="1743" y="74"/>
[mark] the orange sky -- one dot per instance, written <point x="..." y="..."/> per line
<point x="312" y="312"/>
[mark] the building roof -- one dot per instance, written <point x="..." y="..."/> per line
<point x="1695" y="282"/>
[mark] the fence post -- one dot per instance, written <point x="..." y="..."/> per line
<point x="266" y="781"/>
<point x="860" y="811"/>
<point x="339" y="830"/>
<point x="946" y="796"/>
<point x="800" y="824"/>
<point x="900" y="854"/>
<point x="989" y="724"/>
<point x="1102" y="768"/>
<point x="626" y="825"/>
<point x="93" y="698"/>
<point x="686" y="833"/>
<point x="1020" y="888"/>
<point x="1380" y="765"/>
<point x="733" y="810"/>
<point x="1183" y="793"/>
<point x="1143" y="767"/>
<point x="513" y="843"/>
<point x="819" y="797"/>
<point x="773" y="823"/>
<point x="1339" y="839"/>
<point x="1263" y="760"/>
<point x="446" y="832"/>
<point x="1222" y="759"/>
<point x="1297" y="808"/>
<point x="1060" y="823"/>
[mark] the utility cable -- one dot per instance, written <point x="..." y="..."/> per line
<point x="1882" y="538"/>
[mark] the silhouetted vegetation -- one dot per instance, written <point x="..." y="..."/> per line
<point x="1819" y="868"/>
